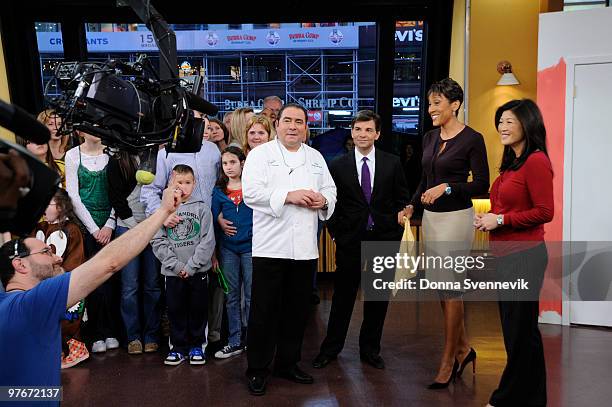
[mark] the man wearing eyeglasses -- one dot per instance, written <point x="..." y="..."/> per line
<point x="38" y="292"/>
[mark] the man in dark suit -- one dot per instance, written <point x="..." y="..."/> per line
<point x="372" y="194"/>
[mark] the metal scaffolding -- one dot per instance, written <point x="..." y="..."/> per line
<point x="305" y="80"/>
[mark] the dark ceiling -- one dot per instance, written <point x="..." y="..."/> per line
<point x="237" y="11"/>
<point x="17" y="19"/>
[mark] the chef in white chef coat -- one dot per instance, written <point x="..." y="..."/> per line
<point x="288" y="186"/>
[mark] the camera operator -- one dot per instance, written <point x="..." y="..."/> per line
<point x="38" y="293"/>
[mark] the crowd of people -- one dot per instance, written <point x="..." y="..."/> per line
<point x="231" y="233"/>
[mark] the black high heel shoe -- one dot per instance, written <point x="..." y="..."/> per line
<point x="444" y="385"/>
<point x="471" y="357"/>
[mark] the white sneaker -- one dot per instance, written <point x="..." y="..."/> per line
<point x="98" y="347"/>
<point x="112" y="343"/>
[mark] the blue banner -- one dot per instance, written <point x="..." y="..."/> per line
<point x="344" y="37"/>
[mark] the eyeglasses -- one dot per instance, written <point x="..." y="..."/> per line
<point x="47" y="250"/>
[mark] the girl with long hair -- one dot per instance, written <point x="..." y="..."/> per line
<point x="235" y="250"/>
<point x="87" y="185"/>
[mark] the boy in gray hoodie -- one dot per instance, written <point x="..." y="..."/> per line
<point x="185" y="246"/>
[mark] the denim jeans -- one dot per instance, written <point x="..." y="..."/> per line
<point x="143" y="268"/>
<point x="238" y="271"/>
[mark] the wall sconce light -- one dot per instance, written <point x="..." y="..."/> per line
<point x="507" y="77"/>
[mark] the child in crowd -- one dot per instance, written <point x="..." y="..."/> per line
<point x="60" y="231"/>
<point x="185" y="252"/>
<point x="235" y="249"/>
<point x="87" y="185"/>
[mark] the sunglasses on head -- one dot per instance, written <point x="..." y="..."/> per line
<point x="21" y="251"/>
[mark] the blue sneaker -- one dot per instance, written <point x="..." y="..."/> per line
<point x="196" y="356"/>
<point x="174" y="358"/>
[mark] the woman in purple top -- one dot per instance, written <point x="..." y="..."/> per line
<point x="450" y="153"/>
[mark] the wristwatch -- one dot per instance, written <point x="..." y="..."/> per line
<point x="448" y="190"/>
<point x="500" y="220"/>
<point x="324" y="208"/>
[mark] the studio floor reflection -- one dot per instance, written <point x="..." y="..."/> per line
<point x="578" y="361"/>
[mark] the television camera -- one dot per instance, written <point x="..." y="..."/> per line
<point x="132" y="107"/>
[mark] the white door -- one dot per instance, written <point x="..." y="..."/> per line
<point x="591" y="178"/>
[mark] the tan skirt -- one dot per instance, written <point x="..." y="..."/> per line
<point x="448" y="234"/>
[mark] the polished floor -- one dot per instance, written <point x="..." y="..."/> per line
<point x="579" y="361"/>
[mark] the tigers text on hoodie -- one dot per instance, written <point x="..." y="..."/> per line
<point x="189" y="245"/>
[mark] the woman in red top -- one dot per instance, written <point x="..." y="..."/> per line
<point x="521" y="203"/>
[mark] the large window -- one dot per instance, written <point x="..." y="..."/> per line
<point x="407" y="74"/>
<point x="329" y="68"/>
<point x="51" y="52"/>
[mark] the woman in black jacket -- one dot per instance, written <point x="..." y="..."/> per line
<point x="450" y="153"/>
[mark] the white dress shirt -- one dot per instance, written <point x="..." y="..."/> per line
<point x="284" y="230"/>
<point x="359" y="161"/>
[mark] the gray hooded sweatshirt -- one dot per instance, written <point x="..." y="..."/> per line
<point x="189" y="245"/>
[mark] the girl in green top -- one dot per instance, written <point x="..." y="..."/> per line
<point x="87" y="185"/>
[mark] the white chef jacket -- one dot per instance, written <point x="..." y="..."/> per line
<point x="282" y="230"/>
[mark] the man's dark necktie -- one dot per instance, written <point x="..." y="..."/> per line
<point x="366" y="187"/>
